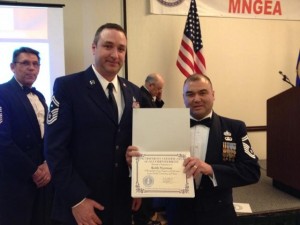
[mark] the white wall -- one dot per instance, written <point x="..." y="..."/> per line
<point x="243" y="56"/>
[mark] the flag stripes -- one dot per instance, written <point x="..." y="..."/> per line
<point x="190" y="58"/>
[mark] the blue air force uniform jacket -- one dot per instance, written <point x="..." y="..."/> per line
<point x="21" y="152"/>
<point x="234" y="164"/>
<point x="85" y="147"/>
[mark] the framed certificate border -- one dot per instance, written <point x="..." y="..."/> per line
<point x="143" y="178"/>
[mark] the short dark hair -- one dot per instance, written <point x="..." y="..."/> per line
<point x="17" y="52"/>
<point x="196" y="77"/>
<point x="107" y="26"/>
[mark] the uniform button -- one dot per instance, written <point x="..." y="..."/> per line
<point x="117" y="147"/>
<point x="116" y="164"/>
<point x="119" y="130"/>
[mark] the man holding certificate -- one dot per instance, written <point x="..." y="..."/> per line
<point x="221" y="158"/>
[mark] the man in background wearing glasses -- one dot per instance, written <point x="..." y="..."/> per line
<point x="24" y="173"/>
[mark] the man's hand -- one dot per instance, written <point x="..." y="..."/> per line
<point x="131" y="151"/>
<point x="42" y="175"/>
<point x="84" y="213"/>
<point x="158" y="96"/>
<point x="194" y="166"/>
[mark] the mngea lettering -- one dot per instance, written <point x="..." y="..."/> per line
<point x="266" y="7"/>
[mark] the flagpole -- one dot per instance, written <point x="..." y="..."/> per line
<point x="298" y="71"/>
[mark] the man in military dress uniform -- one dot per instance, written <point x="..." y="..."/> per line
<point x="221" y="158"/>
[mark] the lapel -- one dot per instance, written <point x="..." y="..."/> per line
<point x="128" y="100"/>
<point x="97" y="94"/>
<point x="28" y="109"/>
<point x="43" y="101"/>
<point x="214" y="140"/>
<point x="149" y="96"/>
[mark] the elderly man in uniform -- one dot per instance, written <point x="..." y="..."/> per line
<point x="24" y="173"/>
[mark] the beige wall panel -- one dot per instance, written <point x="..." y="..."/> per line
<point x="243" y="56"/>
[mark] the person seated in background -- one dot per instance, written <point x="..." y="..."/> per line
<point x="151" y="91"/>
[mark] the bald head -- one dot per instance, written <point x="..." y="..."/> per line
<point x="154" y="84"/>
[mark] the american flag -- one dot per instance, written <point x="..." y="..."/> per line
<point x="190" y="59"/>
<point x="298" y="71"/>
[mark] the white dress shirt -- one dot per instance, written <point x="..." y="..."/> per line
<point x="117" y="91"/>
<point x="199" y="141"/>
<point x="38" y="109"/>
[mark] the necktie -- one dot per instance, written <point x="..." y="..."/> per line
<point x="112" y="100"/>
<point x="205" y="122"/>
<point x="28" y="90"/>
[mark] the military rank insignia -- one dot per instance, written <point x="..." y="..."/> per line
<point x="247" y="147"/>
<point x="92" y="82"/>
<point x="53" y="112"/>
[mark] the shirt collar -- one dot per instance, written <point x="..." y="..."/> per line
<point x="21" y="85"/>
<point x="105" y="82"/>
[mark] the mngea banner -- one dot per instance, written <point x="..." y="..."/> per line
<point x="255" y="9"/>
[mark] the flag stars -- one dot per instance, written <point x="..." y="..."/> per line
<point x="191" y="62"/>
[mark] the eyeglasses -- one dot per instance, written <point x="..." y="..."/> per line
<point x="28" y="63"/>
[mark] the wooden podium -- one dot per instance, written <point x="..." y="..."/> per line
<point x="283" y="140"/>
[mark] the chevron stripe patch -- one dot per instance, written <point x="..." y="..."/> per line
<point x="53" y="112"/>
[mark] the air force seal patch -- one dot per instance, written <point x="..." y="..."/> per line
<point x="170" y="3"/>
<point x="53" y="112"/>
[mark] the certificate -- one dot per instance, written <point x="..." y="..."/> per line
<point x="163" y="139"/>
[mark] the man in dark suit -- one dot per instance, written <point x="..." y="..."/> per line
<point x="151" y="92"/>
<point x="221" y="158"/>
<point x="24" y="172"/>
<point x="89" y="128"/>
